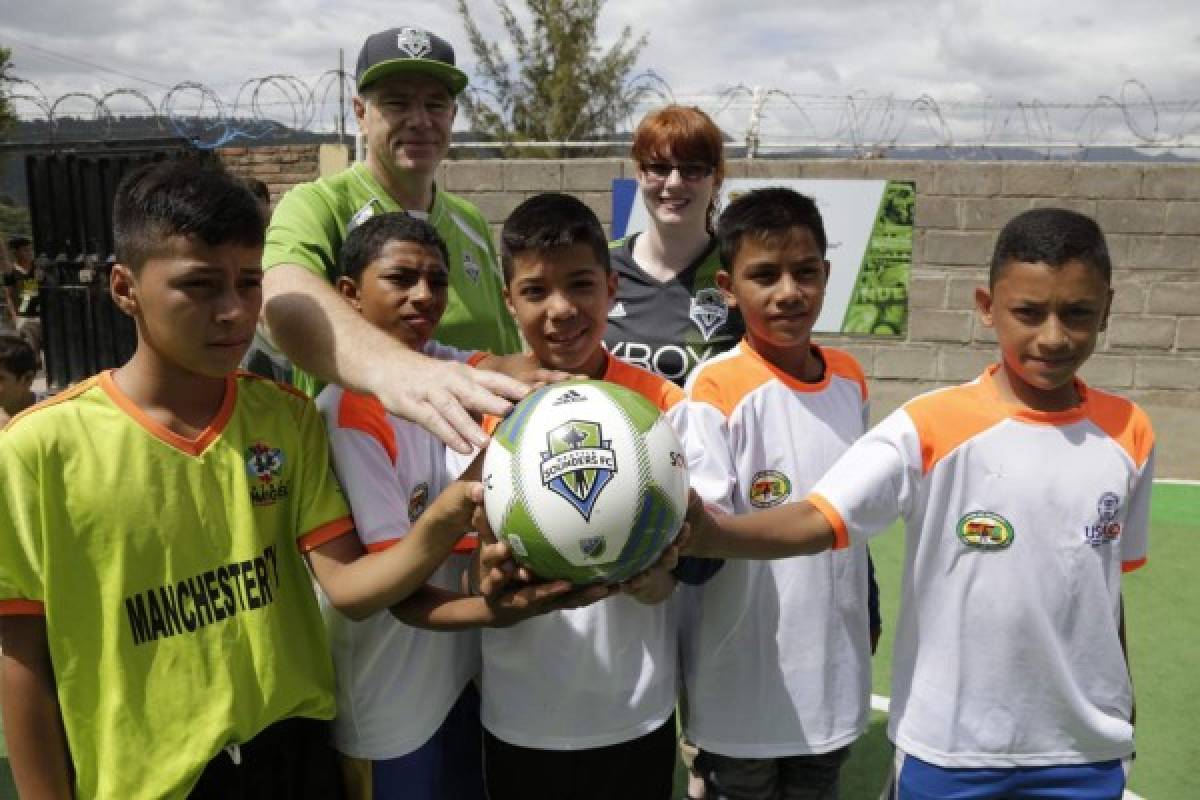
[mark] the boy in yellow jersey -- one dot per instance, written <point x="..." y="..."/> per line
<point x="1025" y="495"/>
<point x="580" y="701"/>
<point x="160" y="634"/>
<point x="775" y="654"/>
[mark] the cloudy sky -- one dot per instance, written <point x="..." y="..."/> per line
<point x="991" y="69"/>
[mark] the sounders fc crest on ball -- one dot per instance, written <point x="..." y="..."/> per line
<point x="579" y="464"/>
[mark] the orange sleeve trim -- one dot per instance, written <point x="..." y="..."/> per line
<point x="841" y="536"/>
<point x="22" y="608"/>
<point x="475" y="358"/>
<point x="466" y="544"/>
<point x="324" y="534"/>
<point x="490" y="423"/>
<point x="1130" y="566"/>
<point x="365" y="413"/>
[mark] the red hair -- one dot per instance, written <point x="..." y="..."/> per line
<point x="684" y="134"/>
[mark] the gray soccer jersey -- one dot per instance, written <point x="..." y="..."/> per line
<point x="669" y="328"/>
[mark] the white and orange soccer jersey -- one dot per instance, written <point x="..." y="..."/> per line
<point x="395" y="683"/>
<point x="586" y="677"/>
<point x="776" y="654"/>
<point x="1018" y="526"/>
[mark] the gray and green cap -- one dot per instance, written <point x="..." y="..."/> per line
<point x="408" y="50"/>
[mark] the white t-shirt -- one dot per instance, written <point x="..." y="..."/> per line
<point x="395" y="683"/>
<point x="775" y="654"/>
<point x="1018" y="527"/>
<point x="587" y="677"/>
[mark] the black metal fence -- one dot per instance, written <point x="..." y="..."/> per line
<point x="71" y="188"/>
<point x="83" y="332"/>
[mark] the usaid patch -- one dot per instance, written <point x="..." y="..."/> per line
<point x="1105" y="527"/>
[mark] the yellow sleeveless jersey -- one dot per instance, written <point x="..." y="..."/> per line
<point x="179" y="611"/>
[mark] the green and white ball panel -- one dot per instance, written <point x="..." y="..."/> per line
<point x="586" y="481"/>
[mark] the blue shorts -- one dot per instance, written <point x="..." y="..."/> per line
<point x="449" y="765"/>
<point x="920" y="780"/>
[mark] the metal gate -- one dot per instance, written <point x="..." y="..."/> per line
<point x="71" y="188"/>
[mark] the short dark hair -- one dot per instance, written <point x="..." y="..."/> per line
<point x="1051" y="236"/>
<point x="763" y="213"/>
<point x="548" y="221"/>
<point x="366" y="241"/>
<point x="17" y="355"/>
<point x="259" y="189"/>
<point x="184" y="197"/>
<point x="19" y="241"/>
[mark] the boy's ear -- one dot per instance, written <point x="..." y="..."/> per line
<point x="983" y="305"/>
<point x="123" y="287"/>
<point x="348" y="289"/>
<point x="725" y="284"/>
<point x="611" y="286"/>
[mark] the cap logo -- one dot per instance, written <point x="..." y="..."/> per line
<point x="414" y="42"/>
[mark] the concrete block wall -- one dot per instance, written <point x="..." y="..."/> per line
<point x="280" y="167"/>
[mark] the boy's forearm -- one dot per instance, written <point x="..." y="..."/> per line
<point x="33" y="726"/>
<point x="792" y="529"/>
<point x="436" y="609"/>
<point x="359" y="584"/>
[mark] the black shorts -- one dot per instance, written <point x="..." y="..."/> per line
<point x="289" y="760"/>
<point x="640" y="769"/>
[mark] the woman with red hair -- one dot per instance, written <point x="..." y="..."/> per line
<point x="669" y="315"/>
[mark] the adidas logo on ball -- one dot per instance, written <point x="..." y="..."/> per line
<point x="586" y="482"/>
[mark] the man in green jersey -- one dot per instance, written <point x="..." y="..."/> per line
<point x="407" y="82"/>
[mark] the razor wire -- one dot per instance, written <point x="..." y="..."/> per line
<point x="761" y="120"/>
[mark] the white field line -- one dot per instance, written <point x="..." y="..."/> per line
<point x="882" y="704"/>
<point x="1176" y="482"/>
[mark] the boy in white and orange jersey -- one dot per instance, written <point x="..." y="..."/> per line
<point x="407" y="722"/>
<point x="776" y="654"/>
<point x="1025" y="494"/>
<point x="579" y="705"/>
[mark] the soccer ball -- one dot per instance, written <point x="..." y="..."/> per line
<point x="586" y="481"/>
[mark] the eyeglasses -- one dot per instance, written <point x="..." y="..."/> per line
<point x="659" y="171"/>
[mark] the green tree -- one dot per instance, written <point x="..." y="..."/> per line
<point x="7" y="116"/>
<point x="560" y="85"/>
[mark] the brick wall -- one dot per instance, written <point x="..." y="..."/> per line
<point x="1151" y="214"/>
